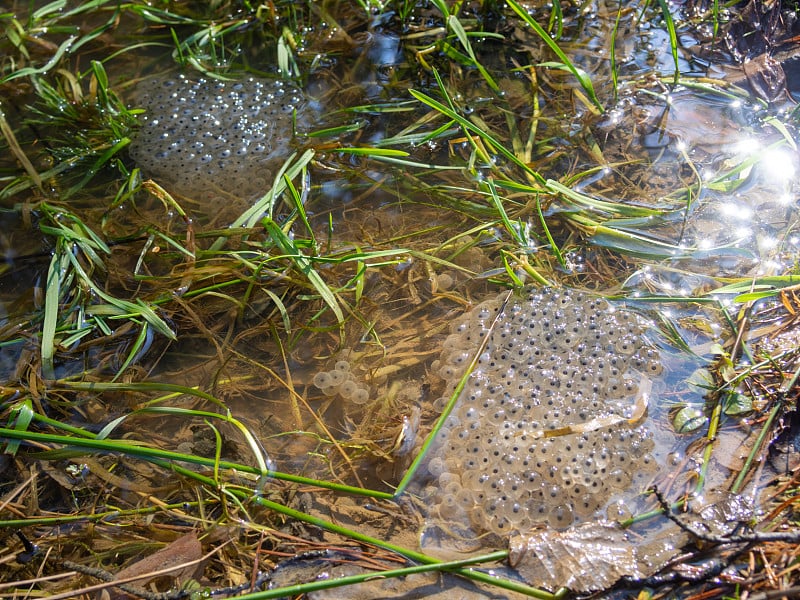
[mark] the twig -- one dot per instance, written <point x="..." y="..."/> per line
<point x="755" y="537"/>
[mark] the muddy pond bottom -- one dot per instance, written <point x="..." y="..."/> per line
<point x="551" y="424"/>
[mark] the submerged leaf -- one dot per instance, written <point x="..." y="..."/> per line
<point x="182" y="556"/>
<point x="737" y="403"/>
<point x="589" y="557"/>
<point x="688" y="419"/>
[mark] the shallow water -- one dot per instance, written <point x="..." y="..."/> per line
<point x="719" y="162"/>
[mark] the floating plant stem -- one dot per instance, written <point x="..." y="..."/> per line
<point x="168" y="456"/>
<point x="334" y="582"/>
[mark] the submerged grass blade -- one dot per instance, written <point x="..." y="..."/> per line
<point x="467" y="124"/>
<point x="553" y="246"/>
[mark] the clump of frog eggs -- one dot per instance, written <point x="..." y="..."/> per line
<point x="201" y="135"/>
<point x="340" y="380"/>
<point x="548" y="427"/>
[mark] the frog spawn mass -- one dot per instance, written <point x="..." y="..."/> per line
<point x="548" y="427"/>
<point x="205" y="135"/>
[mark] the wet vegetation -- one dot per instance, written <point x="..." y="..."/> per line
<point x="164" y="420"/>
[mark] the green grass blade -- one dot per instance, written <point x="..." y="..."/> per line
<point x="673" y="38"/>
<point x="304" y="264"/>
<point x="612" y="53"/>
<point x="52" y="300"/>
<point x="21" y="416"/>
<point x="138" y="346"/>
<point x="553" y="246"/>
<point x="584" y="80"/>
<point x="455" y="25"/>
<point x="466" y="124"/>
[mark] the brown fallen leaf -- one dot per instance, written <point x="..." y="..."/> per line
<point x="584" y="558"/>
<point x="186" y="549"/>
<point x="765" y="76"/>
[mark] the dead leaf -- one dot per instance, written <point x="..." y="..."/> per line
<point x="185" y="549"/>
<point x="584" y="558"/>
<point x="765" y="76"/>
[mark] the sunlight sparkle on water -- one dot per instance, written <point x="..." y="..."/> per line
<point x="767" y="243"/>
<point x="737" y="211"/>
<point x="747" y="146"/>
<point x="770" y="267"/>
<point x="779" y="164"/>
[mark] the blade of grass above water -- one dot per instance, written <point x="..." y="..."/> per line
<point x="673" y="38"/>
<point x="583" y="79"/>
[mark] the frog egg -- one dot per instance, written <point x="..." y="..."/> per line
<point x="584" y="506"/>
<point x="444" y="281"/>
<point x="337" y="378"/>
<point x="448" y="477"/>
<point x="436" y="466"/>
<point x="360" y="396"/>
<point x="561" y="517"/>
<point x="322" y="380"/>
<point x="440" y="403"/>
<point x="499" y="525"/>
<point x="618" y="479"/>
<point x="465" y="498"/>
<point x="348" y="389"/>
<point x="342" y="365"/>
<point x="449" y="507"/>
<point x="474" y="479"/>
